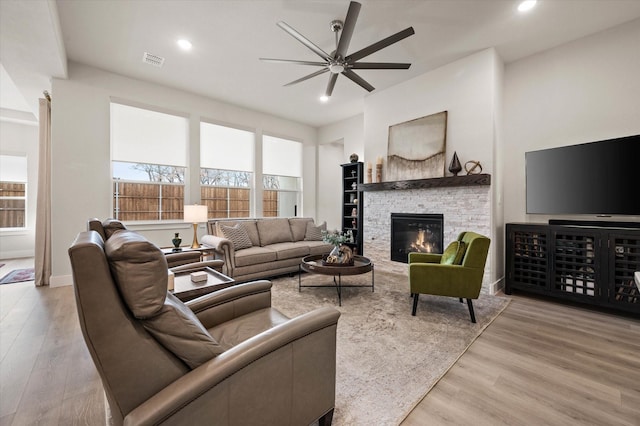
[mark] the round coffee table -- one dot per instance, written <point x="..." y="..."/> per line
<point x="313" y="264"/>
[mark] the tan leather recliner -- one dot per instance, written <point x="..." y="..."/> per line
<point x="227" y="358"/>
<point x="179" y="261"/>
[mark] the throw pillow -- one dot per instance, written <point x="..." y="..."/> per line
<point x="314" y="233"/>
<point x="178" y="329"/>
<point x="454" y="253"/>
<point x="252" y="230"/>
<point x="274" y="231"/>
<point x="299" y="227"/>
<point x="237" y="235"/>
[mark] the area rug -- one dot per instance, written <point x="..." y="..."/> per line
<point x="387" y="360"/>
<point x="18" y="275"/>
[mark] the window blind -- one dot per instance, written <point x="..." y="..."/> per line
<point x="281" y="157"/>
<point x="144" y="136"/>
<point x="226" y="148"/>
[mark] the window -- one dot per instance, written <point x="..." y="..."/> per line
<point x="226" y="170"/>
<point x="13" y="191"/>
<point x="282" y="179"/>
<point x="149" y="163"/>
<point x="147" y="191"/>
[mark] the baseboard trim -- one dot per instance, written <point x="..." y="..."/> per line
<point x="18" y="254"/>
<point x="496" y="286"/>
<point x="60" y="280"/>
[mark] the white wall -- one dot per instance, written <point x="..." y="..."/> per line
<point x="21" y="139"/>
<point x="330" y="156"/>
<point x="497" y="179"/>
<point x="465" y="88"/>
<point x="336" y="143"/>
<point x="583" y="91"/>
<point x="81" y="176"/>
<point x="350" y="132"/>
<point x="470" y="90"/>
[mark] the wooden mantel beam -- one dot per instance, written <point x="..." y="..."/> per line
<point x="449" y="181"/>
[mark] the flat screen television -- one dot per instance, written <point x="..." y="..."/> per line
<point x="599" y="178"/>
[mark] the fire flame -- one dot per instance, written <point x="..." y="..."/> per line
<point x="421" y="244"/>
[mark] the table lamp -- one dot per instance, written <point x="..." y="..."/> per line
<point x="195" y="214"/>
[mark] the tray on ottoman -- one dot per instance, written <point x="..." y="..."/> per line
<point x="185" y="289"/>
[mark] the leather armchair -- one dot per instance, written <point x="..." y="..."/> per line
<point x="263" y="368"/>
<point x="177" y="262"/>
<point x="428" y="276"/>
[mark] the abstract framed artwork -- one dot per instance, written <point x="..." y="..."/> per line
<point x="417" y="148"/>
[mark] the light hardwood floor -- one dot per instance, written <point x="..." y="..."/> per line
<point x="539" y="363"/>
<point x="542" y="363"/>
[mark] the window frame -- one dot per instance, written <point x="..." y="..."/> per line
<point x="184" y="184"/>
<point x="228" y="200"/>
<point x="176" y="212"/>
<point x="299" y="179"/>
<point x="227" y="130"/>
<point x="24" y="197"/>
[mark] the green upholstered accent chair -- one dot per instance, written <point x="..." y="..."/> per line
<point x="428" y="276"/>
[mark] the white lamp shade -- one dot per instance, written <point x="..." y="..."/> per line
<point x="195" y="213"/>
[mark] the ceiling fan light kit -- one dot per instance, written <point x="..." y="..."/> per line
<point x="338" y="62"/>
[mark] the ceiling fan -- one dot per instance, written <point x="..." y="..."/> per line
<point x="338" y="62"/>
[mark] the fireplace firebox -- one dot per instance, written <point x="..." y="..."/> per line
<point x="412" y="232"/>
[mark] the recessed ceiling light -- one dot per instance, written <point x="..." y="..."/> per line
<point x="324" y="98"/>
<point x="184" y="44"/>
<point x="526" y="5"/>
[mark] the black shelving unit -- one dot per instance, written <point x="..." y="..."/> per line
<point x="352" y="176"/>
<point x="586" y="264"/>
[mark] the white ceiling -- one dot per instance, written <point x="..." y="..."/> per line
<point x="230" y="35"/>
<point x="31" y="52"/>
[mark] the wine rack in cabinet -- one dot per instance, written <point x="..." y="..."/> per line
<point x="585" y="264"/>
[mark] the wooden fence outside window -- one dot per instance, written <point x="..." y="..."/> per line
<point x="134" y="201"/>
<point x="12" y="204"/>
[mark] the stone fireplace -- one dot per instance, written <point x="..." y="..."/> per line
<point x="464" y="206"/>
<point x="411" y="232"/>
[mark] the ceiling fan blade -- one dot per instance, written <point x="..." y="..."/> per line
<point x="358" y="80"/>
<point x="332" y="83"/>
<point x="379" y="66"/>
<point x="290" y="61"/>
<point x="302" y="39"/>
<point x="307" y="77"/>
<point x="347" y="29"/>
<point x="380" y="45"/>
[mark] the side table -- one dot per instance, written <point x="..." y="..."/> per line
<point x="203" y="250"/>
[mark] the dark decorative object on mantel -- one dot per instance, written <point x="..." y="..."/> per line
<point x="353" y="158"/>
<point x="176" y="242"/>
<point x="455" y="167"/>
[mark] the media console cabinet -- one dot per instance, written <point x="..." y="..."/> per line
<point x="586" y="262"/>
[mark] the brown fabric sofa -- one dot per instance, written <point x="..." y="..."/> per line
<point x="226" y="358"/>
<point x="275" y="247"/>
